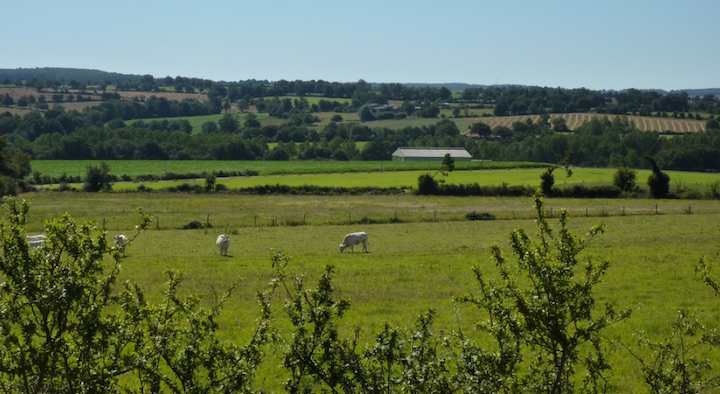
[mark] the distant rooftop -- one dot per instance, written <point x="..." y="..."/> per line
<point x="431" y="153"/>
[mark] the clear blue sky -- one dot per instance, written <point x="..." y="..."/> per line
<point x="610" y="44"/>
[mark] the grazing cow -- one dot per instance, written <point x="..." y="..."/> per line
<point x="120" y="241"/>
<point x="223" y="242"/>
<point x="35" y="241"/>
<point x="353" y="239"/>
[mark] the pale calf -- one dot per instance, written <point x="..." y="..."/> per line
<point x="223" y="242"/>
<point x="353" y="239"/>
<point x="35" y="241"/>
<point x="120" y="241"/>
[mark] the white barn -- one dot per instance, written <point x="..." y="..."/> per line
<point x="430" y="154"/>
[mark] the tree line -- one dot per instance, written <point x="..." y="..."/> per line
<point x="505" y="99"/>
<point x="100" y="133"/>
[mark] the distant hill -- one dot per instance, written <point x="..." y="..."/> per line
<point x="85" y="76"/>
<point x="459" y="86"/>
<point x="699" y="92"/>
<point x="88" y="76"/>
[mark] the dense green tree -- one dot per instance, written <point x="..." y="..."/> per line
<point x="98" y="178"/>
<point x="658" y="181"/>
<point x="444" y="93"/>
<point x="559" y="124"/>
<point x="469" y="94"/>
<point x="482" y="129"/>
<point x="429" y="110"/>
<point x="377" y="150"/>
<point x="209" y="127"/>
<point x="624" y="179"/>
<point x="228" y="124"/>
<point x="366" y="114"/>
<point x="712" y="124"/>
<point x="547" y="181"/>
<point x="7" y="100"/>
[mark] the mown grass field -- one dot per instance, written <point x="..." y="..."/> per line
<point x="364" y="174"/>
<point x="56" y="168"/>
<point x="573" y="121"/>
<point x="418" y="263"/>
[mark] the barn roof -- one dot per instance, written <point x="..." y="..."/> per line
<point x="456" y="153"/>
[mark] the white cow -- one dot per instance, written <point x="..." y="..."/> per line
<point x="120" y="241"/>
<point x="35" y="241"/>
<point x="353" y="239"/>
<point x="223" y="242"/>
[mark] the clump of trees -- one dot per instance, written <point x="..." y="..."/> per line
<point x="106" y="133"/>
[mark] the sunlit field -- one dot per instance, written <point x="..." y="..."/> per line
<point x="418" y="261"/>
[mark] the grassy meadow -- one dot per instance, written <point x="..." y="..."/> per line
<point x="419" y="262"/>
<point x="364" y="174"/>
<point x="133" y="168"/>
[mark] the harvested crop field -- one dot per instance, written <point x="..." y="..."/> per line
<point x="574" y="120"/>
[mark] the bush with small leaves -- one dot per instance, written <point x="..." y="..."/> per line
<point x="624" y="178"/>
<point x="541" y="314"/>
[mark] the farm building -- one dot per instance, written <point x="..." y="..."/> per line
<point x="427" y="154"/>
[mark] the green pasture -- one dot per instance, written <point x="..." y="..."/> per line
<point x="133" y="168"/>
<point x="364" y="173"/>
<point x="491" y="177"/>
<point x="419" y="262"/>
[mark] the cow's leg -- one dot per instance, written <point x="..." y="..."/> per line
<point x="364" y="247"/>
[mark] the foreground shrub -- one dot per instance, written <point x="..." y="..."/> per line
<point x="65" y="328"/>
<point x="319" y="359"/>
<point x="677" y="364"/>
<point x="543" y="319"/>
<point x="54" y="336"/>
<point x="178" y="349"/>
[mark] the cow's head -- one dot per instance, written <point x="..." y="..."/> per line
<point x="342" y="248"/>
